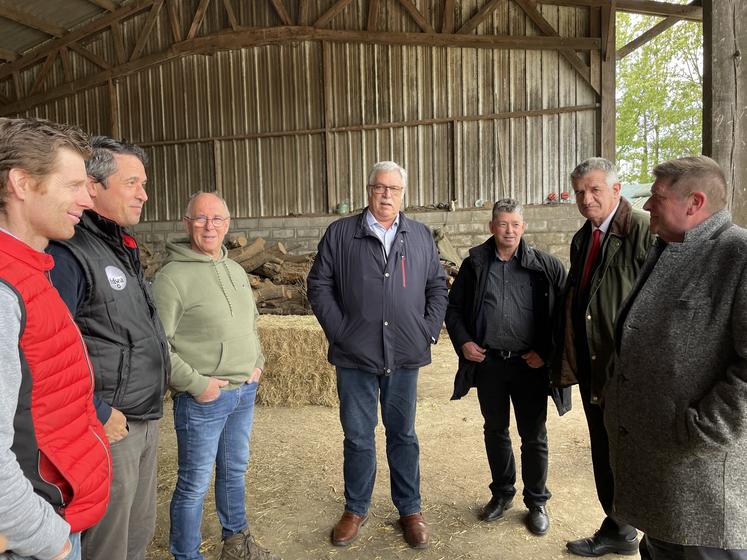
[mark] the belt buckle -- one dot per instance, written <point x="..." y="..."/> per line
<point x="505" y="354"/>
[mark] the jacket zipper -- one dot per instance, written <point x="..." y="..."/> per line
<point x="404" y="274"/>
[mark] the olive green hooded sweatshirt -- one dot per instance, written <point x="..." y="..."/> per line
<point x="210" y="318"/>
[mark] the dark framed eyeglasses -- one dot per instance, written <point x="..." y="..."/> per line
<point x="378" y="188"/>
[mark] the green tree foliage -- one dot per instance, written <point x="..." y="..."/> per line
<point x="659" y="96"/>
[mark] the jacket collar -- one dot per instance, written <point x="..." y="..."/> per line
<point x="708" y="228"/>
<point x="17" y="249"/>
<point x="482" y="254"/>
<point x="104" y="227"/>
<point x="363" y="230"/>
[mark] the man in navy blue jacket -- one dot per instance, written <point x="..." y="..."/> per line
<point x="379" y="292"/>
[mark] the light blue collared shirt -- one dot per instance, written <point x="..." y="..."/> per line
<point x="386" y="236"/>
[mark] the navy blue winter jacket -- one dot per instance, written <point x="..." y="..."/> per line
<point x="378" y="315"/>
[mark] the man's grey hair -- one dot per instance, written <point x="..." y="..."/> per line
<point x="193" y="198"/>
<point x="507" y="205"/>
<point x="102" y="165"/>
<point x="595" y="164"/>
<point x="695" y="173"/>
<point x="385" y="167"/>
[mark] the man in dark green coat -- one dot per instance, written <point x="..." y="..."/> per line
<point x="606" y="255"/>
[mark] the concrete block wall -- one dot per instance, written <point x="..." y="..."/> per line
<point x="549" y="228"/>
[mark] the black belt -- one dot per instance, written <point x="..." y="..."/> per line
<point x="504" y="354"/>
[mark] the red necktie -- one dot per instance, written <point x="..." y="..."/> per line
<point x="592" y="258"/>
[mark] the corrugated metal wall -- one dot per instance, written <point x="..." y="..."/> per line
<point x="293" y="128"/>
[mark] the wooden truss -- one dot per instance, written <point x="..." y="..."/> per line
<point x="41" y="60"/>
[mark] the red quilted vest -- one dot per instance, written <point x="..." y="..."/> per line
<point x="58" y="441"/>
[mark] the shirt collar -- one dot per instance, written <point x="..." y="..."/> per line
<point x="606" y="223"/>
<point x="372" y="222"/>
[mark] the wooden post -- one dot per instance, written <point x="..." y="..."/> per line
<point x="608" y="108"/>
<point x="725" y="96"/>
<point x="116" y="127"/>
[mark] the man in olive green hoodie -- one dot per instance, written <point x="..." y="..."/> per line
<point x="210" y="318"/>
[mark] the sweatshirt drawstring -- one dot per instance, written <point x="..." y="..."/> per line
<point x="222" y="287"/>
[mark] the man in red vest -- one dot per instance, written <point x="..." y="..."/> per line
<point x="55" y="467"/>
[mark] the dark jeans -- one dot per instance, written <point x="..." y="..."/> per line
<point x="600" y="459"/>
<point x="661" y="550"/>
<point x="359" y="393"/>
<point x="498" y="382"/>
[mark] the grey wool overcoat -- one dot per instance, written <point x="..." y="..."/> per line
<point x="676" y="405"/>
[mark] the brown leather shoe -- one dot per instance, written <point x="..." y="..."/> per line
<point x="347" y="527"/>
<point x="415" y="530"/>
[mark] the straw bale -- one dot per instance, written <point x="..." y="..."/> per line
<point x="296" y="369"/>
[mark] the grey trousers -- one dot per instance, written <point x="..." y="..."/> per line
<point x="129" y="524"/>
<point x="661" y="550"/>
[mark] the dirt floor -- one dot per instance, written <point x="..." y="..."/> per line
<point x="295" y="494"/>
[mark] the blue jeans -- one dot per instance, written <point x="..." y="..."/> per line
<point x="359" y="393"/>
<point x="74" y="553"/>
<point x="216" y="433"/>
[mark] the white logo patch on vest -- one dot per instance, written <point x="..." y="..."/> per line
<point x="117" y="278"/>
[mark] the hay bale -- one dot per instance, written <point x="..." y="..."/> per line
<point x="296" y="369"/>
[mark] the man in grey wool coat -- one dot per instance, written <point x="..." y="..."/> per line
<point x="676" y="405"/>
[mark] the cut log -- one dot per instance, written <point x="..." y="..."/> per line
<point x="241" y="254"/>
<point x="268" y="291"/>
<point x="277" y="251"/>
<point x="236" y="241"/>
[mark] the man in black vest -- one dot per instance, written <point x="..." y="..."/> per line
<point x="100" y="278"/>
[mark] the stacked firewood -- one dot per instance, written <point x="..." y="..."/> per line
<point x="277" y="278"/>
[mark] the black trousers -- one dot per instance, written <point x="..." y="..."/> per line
<point x="600" y="459"/>
<point x="500" y="382"/>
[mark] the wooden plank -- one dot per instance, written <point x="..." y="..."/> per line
<point x="545" y="27"/>
<point x="448" y="19"/>
<point x="281" y="11"/>
<point x="18" y="85"/>
<point x="645" y="7"/>
<point x="303" y="12"/>
<point x="373" y="12"/>
<point x="104" y="5"/>
<point x="646" y="36"/>
<point x="607" y="110"/>
<point x="328" y="136"/>
<point x="118" y="40"/>
<point x="415" y="14"/>
<point x="114" y="122"/>
<point x="176" y="29"/>
<point x="145" y="32"/>
<point x="66" y="68"/>
<point x="232" y="21"/>
<point x="32" y="21"/>
<point x="481" y="15"/>
<point x="96" y="25"/>
<point x="43" y="72"/>
<point x="198" y="19"/>
<point x="335" y="9"/>
<point x="608" y="30"/>
<point x="93" y="57"/>
<point x="7" y="54"/>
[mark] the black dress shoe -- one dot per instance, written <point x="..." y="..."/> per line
<point x="495" y="507"/>
<point x="599" y="545"/>
<point x="537" y="521"/>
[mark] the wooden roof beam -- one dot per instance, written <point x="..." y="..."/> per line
<point x="281" y="11"/>
<point x="415" y="14"/>
<point x="150" y="21"/>
<point x="107" y="5"/>
<point x="198" y="19"/>
<point x="93" y="57"/>
<point x="546" y="27"/>
<point x="481" y="15"/>
<point x="31" y="21"/>
<point x="94" y="26"/>
<point x="646" y="7"/>
<point x="176" y="29"/>
<point x="646" y="36"/>
<point x="335" y="9"/>
<point x="230" y="12"/>
<point x="43" y="72"/>
<point x="7" y="54"/>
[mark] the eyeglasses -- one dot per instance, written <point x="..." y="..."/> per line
<point x="202" y="221"/>
<point x="378" y="188"/>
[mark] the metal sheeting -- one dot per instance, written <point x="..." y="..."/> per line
<point x="293" y="128"/>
